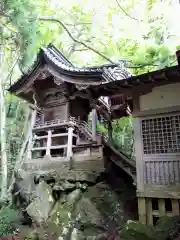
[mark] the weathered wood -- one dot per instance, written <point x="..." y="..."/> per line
<point x="52" y="126"/>
<point x="155" y="111"/>
<point x="175" y="207"/>
<point x="156" y="214"/>
<point x="52" y="147"/>
<point x="139" y="157"/>
<point x="160" y="191"/>
<point x="142" y="210"/>
<point x="55" y="135"/>
<point x="162" y="210"/>
<point x="69" y="145"/>
<point x="149" y="211"/>
<point x="49" y="142"/>
<point x="94" y="124"/>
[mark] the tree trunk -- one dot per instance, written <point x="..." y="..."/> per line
<point x="3" y="143"/>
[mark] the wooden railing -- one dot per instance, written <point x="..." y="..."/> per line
<point x="56" y="122"/>
<point x="49" y="123"/>
<point x="104" y="103"/>
<point x="49" y="145"/>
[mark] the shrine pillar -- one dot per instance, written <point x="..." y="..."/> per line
<point x="49" y="140"/>
<point x="94" y="124"/>
<point x="70" y="142"/>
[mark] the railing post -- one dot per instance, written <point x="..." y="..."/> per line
<point x="29" y="151"/>
<point x="94" y="124"/>
<point x="70" y="142"/>
<point x="49" y="140"/>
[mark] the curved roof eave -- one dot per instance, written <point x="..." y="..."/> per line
<point x="51" y="56"/>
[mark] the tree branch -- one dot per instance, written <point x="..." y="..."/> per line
<point x="11" y="71"/>
<point x="127" y="14"/>
<point x="80" y="49"/>
<point x="78" y="23"/>
<point x="74" y="39"/>
<point x="144" y="65"/>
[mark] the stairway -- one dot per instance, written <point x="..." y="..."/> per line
<point x="114" y="154"/>
<point x="120" y="159"/>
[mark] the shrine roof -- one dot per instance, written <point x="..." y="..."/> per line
<point x="138" y="83"/>
<point x="56" y="63"/>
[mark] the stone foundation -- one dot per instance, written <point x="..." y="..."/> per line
<point x="72" y="204"/>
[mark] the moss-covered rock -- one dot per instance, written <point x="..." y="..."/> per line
<point x="168" y="228"/>
<point x="40" y="207"/>
<point x="137" y="231"/>
<point x="63" y="213"/>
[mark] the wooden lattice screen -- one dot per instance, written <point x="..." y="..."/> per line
<point x="161" y="149"/>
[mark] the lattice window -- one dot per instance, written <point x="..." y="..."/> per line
<point x="161" y="135"/>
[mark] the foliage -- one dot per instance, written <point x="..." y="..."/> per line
<point x="123" y="134"/>
<point x="166" y="228"/>
<point x="137" y="231"/>
<point x="8" y="218"/>
<point x="17" y="113"/>
<point x="20" y="33"/>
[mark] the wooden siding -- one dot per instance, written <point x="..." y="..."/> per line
<point x="162" y="172"/>
<point x="151" y="209"/>
<point x="160" y="97"/>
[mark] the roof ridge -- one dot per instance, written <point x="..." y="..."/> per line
<point x="51" y="47"/>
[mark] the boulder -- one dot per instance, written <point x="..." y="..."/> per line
<point x="23" y="190"/>
<point x="63" y="216"/>
<point x="64" y="186"/>
<point x="109" y="205"/>
<point x="40" y="207"/>
<point x="79" y="214"/>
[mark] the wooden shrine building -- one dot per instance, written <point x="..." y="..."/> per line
<point x="60" y="136"/>
<point x="155" y="105"/>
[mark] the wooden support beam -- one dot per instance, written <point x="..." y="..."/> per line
<point x="175" y="207"/>
<point x="162" y="210"/>
<point x="94" y="124"/>
<point x="149" y="211"/>
<point x="52" y="147"/>
<point x="142" y="210"/>
<point x="54" y="135"/>
<point x="49" y="141"/>
<point x="70" y="141"/>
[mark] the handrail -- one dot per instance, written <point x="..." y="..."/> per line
<point x="85" y="125"/>
<point x="112" y="143"/>
<point x="55" y="122"/>
<point x="48" y="123"/>
<point x="104" y="103"/>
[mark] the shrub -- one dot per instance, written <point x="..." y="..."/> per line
<point x="8" y="218"/>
